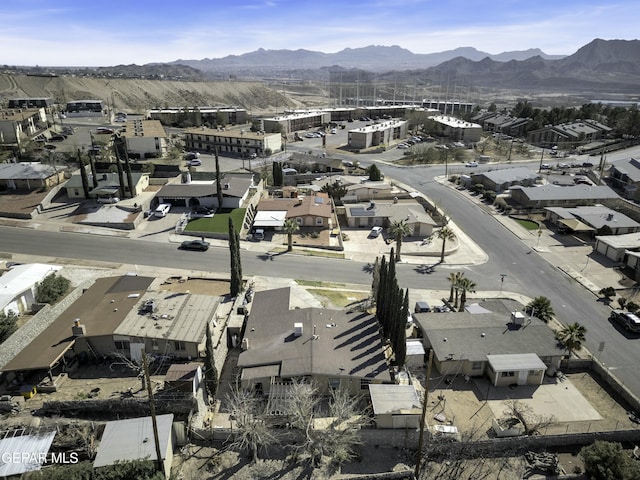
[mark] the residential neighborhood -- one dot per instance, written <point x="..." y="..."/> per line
<point x="344" y="288"/>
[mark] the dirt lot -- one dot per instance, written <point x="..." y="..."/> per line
<point x="198" y="286"/>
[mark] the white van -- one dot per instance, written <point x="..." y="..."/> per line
<point x="162" y="210"/>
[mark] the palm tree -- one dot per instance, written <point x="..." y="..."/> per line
<point x="465" y="285"/>
<point x="399" y="229"/>
<point x="290" y="227"/>
<point x="572" y="336"/>
<point x="540" y="307"/>
<point x="445" y="233"/>
<point x="454" y="278"/>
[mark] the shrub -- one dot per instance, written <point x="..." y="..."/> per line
<point x="8" y="324"/>
<point x="52" y="288"/>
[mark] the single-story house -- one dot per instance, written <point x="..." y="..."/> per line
<point x="190" y="193"/>
<point x="334" y="348"/>
<point x="106" y="185"/>
<point x="18" y="286"/>
<point x="368" y="190"/>
<point x="591" y="219"/>
<point x="506" y="349"/>
<point x="501" y="180"/>
<point x="395" y="406"/>
<point x="304" y="163"/>
<point x="557" y="196"/>
<point x="307" y="211"/>
<point x="619" y="248"/>
<point x="29" y="176"/>
<point x="133" y="439"/>
<point x="378" y="214"/>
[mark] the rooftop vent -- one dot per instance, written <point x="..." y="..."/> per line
<point x="298" y="329"/>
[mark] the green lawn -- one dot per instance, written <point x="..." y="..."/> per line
<point x="219" y="223"/>
<point x="528" y="224"/>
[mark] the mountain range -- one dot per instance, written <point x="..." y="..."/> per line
<point x="373" y="58"/>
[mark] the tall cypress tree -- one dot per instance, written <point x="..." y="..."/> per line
<point x="210" y="370"/>
<point x="381" y="296"/>
<point x="234" y="254"/>
<point x="218" y="180"/>
<point x="83" y="176"/>
<point x="400" y="343"/>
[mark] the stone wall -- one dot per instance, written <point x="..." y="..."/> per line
<point x="37" y="324"/>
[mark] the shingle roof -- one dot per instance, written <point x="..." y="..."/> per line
<point x="332" y="342"/>
<point x="26" y="170"/>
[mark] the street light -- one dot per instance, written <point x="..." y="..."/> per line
<point x="502" y="275"/>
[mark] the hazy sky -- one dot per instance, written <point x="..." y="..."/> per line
<point x="104" y="33"/>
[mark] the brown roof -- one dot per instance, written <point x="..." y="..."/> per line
<point x="100" y="309"/>
<point x="343" y="344"/>
<point x="181" y="372"/>
<point x="317" y="205"/>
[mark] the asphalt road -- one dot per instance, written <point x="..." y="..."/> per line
<point x="526" y="272"/>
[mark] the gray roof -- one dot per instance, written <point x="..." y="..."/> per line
<point x="105" y="180"/>
<point x="388" y="399"/>
<point x="577" y="192"/>
<point x="515" y="361"/>
<point x="346" y="344"/>
<point x="132" y="439"/>
<point x="508" y="175"/>
<point x="409" y="212"/>
<point x="466" y="336"/>
<point x="628" y="166"/>
<point x="26" y="170"/>
<point x="237" y="187"/>
<point x="628" y="240"/>
<point x="596" y="216"/>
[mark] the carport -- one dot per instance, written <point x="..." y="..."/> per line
<point x="575" y="225"/>
<point x="270" y="219"/>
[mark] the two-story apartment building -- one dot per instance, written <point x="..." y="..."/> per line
<point x="233" y="143"/>
<point x="377" y="134"/>
<point x="20" y="125"/>
<point x="145" y="138"/>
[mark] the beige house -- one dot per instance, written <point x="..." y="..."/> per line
<point x="145" y="138"/>
<point x="30" y="176"/>
<point x="307" y="211"/>
<point x="108" y="185"/>
<point x="382" y="214"/>
<point x="233" y="143"/>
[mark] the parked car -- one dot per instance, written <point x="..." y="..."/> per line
<point x="191" y="155"/>
<point x="58" y="138"/>
<point x="471" y="164"/>
<point x="629" y="321"/>
<point x="563" y="165"/>
<point x="162" y="210"/>
<point x="587" y="164"/>
<point x="375" y="232"/>
<point x="334" y="130"/>
<point x="195" y="162"/>
<point x="50" y="146"/>
<point x="202" y="212"/>
<point x="199" y="245"/>
<point x="253" y="155"/>
<point x="545" y="166"/>
<point x="403" y="145"/>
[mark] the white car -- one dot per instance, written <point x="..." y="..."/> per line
<point x="375" y="232"/>
<point x="195" y="162"/>
<point x="162" y="210"/>
<point x="403" y="145"/>
<point x="471" y="164"/>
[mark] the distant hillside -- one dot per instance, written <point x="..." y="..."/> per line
<point x="374" y="58"/>
<point x="139" y="95"/>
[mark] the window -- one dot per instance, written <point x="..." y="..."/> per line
<point x="476" y="365"/>
<point x="534" y="373"/>
<point x="121" y="345"/>
<point x="508" y="374"/>
<point x="299" y="220"/>
<point x="334" y="383"/>
<point x="178" y="345"/>
<point x="364" y="383"/>
<point x="319" y="221"/>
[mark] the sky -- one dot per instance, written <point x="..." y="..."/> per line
<point x="107" y="33"/>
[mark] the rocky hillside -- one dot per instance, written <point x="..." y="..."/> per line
<point x="136" y="96"/>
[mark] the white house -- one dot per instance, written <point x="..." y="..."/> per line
<point x="18" y="286"/>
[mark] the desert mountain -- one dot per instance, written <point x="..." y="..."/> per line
<point x="372" y="58"/>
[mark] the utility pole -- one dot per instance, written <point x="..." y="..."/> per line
<point x="541" y="157"/>
<point x="152" y="408"/>
<point x="424" y="414"/>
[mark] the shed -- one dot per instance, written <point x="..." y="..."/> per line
<point x="132" y="439"/>
<point x="395" y="406"/>
<point x="415" y="353"/>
